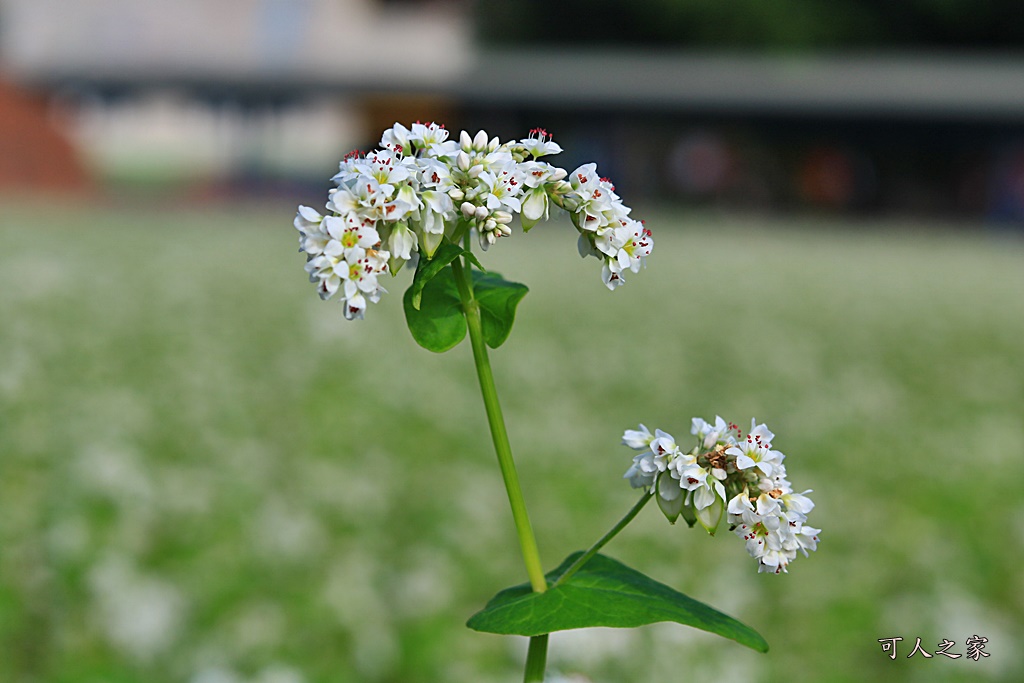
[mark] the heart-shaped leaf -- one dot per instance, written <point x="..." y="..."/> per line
<point x="604" y="592"/>
<point x="438" y="323"/>
<point x="498" y="299"/>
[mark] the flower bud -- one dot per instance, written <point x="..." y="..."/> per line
<point x="468" y="209"/>
<point x="481" y="212"/>
<point x="463" y="159"/>
<point x="504" y="230"/>
<point x="493" y="144"/>
<point x="480" y="141"/>
<point x="502" y="217"/>
<point x="456" y="194"/>
<point x="476" y="171"/>
<point x="489" y="224"/>
<point x="465" y="142"/>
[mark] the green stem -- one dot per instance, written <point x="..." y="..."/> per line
<point x="586" y="557"/>
<point x="536" y="659"/>
<point x="527" y="542"/>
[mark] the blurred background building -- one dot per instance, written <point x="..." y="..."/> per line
<point x="839" y="105"/>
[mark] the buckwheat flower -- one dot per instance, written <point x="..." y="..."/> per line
<point x="434" y="175"/>
<point x="709" y="482"/>
<point x="719" y="433"/>
<point x="312" y="238"/>
<point x="342" y="201"/>
<point x="360" y="276"/>
<point x="398" y="138"/>
<point x="494" y="162"/>
<point x="307" y="219"/>
<point x="503" y="189"/>
<point x="325" y="271"/>
<point x="663" y="445"/>
<point x="611" y="274"/>
<point x="537" y="176"/>
<point x="754" y="452"/>
<point x="433" y="139"/>
<point x="387" y="170"/>
<point x="639" y="475"/>
<point x="637" y="439"/>
<point x="807" y="538"/>
<point x="352" y="235"/>
<point x="407" y="192"/>
<point x="646" y="466"/>
<point x="628" y="244"/>
<point x="687" y="473"/>
<point x="354" y="307"/>
<point x="540" y="143"/>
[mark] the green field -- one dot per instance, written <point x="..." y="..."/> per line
<point x="207" y="475"/>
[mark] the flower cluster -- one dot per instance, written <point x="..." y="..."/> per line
<point x="403" y="200"/>
<point x="727" y="471"/>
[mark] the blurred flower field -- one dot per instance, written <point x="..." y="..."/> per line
<point x="207" y="475"/>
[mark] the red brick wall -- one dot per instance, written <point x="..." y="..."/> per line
<point x="34" y="154"/>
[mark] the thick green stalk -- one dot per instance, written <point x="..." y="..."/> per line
<point x="585" y="557"/>
<point x="527" y="542"/>
<point x="536" y="659"/>
<point x="536" y="656"/>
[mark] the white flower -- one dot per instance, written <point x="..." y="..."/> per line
<point x="744" y="478"/>
<point x="611" y="275"/>
<point x="503" y="189"/>
<point x="386" y="170"/>
<point x="361" y="276"/>
<point x="353" y="236"/>
<point x="646" y="466"/>
<point x="807" y="538"/>
<point x="312" y="238"/>
<point x="397" y="139"/>
<point x="539" y="143"/>
<point x="798" y="502"/>
<point x="433" y="138"/>
<point x="753" y="452"/>
<point x="638" y="476"/>
<point x="354" y="307"/>
<point x="434" y="175"/>
<point x="325" y="271"/>
<point x="637" y="439"/>
<point x="633" y="244"/>
<point x="343" y="201"/>
<point x="710" y="435"/>
<point x="407" y="191"/>
<point x="688" y="473"/>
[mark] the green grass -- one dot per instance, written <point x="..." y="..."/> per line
<point x="205" y="471"/>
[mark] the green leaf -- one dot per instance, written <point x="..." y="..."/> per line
<point x="604" y="592"/>
<point x="429" y="268"/>
<point x="498" y="299"/>
<point x="437" y="323"/>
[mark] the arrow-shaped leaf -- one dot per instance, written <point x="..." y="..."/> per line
<point x="604" y="592"/>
